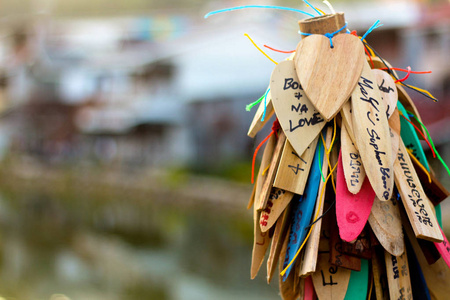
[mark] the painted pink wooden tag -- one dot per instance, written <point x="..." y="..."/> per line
<point x="444" y="248"/>
<point x="352" y="210"/>
<point x="309" y="289"/>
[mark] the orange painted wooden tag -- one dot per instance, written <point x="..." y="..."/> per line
<point x="416" y="203"/>
<point x="351" y="160"/>
<point x="386" y="224"/>
<point x="372" y="134"/>
<point x="278" y="201"/>
<point x="388" y="90"/>
<point x="330" y="282"/>
<point x="268" y="181"/>
<point x="293" y="169"/>
<point x="257" y="124"/>
<point x="300" y="121"/>
<point x="398" y="276"/>
<point x="352" y="211"/>
<point x="329" y="75"/>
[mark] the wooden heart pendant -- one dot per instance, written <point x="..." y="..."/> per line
<point x="298" y="118"/>
<point x="329" y="75"/>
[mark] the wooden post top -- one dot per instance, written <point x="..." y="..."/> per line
<point x="322" y="24"/>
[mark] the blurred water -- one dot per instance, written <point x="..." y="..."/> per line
<point x="74" y="247"/>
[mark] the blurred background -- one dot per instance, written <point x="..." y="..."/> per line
<point x="124" y="161"/>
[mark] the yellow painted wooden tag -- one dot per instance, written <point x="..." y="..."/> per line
<point x="265" y="163"/>
<point x="394" y="125"/>
<point x="386" y="224"/>
<point x="280" y="233"/>
<point x="354" y="172"/>
<point x="257" y="124"/>
<point x="309" y="261"/>
<point x="268" y="181"/>
<point x="329" y="75"/>
<point x="330" y="282"/>
<point x="436" y="275"/>
<point x="278" y="201"/>
<point x="261" y="241"/>
<point x="300" y="121"/>
<point x="347" y="119"/>
<point x="416" y="203"/>
<point x="398" y="276"/>
<point x="293" y="170"/>
<point x="372" y="134"/>
<point x="388" y="90"/>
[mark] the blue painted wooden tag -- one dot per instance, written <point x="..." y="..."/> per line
<point x="304" y="207"/>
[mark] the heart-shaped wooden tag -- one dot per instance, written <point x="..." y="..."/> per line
<point x="300" y="121"/>
<point x="329" y="75"/>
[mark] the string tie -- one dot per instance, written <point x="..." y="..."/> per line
<point x="329" y="35"/>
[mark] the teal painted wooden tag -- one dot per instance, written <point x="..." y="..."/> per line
<point x="359" y="282"/>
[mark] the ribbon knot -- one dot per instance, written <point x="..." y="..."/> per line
<point x="329" y="35"/>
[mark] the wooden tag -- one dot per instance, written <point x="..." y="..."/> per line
<point x="300" y="121"/>
<point x="303" y="209"/>
<point x="379" y="274"/>
<point x="309" y="289"/>
<point x="394" y="125"/>
<point x="338" y="258"/>
<point x="278" y="200"/>
<point x="329" y="75"/>
<point x="409" y="105"/>
<point x="293" y="170"/>
<point x="361" y="247"/>
<point x="257" y="124"/>
<point x="411" y="139"/>
<point x="265" y="163"/>
<point x="444" y="248"/>
<point x="352" y="210"/>
<point x="347" y="119"/>
<point x="418" y="284"/>
<point x="251" y="200"/>
<point x="437" y="275"/>
<point x="351" y="161"/>
<point x="330" y="282"/>
<point x="388" y="90"/>
<point x="386" y="224"/>
<point x="435" y="191"/>
<point x="281" y="233"/>
<point x="261" y="241"/>
<point x="358" y="284"/>
<point x="416" y="203"/>
<point x="372" y="134"/>
<point x="398" y="276"/>
<point x="268" y="181"/>
<point x="287" y="286"/>
<point x="309" y="261"/>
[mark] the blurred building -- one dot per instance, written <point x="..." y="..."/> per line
<point x="170" y="90"/>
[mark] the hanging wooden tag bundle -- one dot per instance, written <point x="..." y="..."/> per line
<point x="346" y="147"/>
